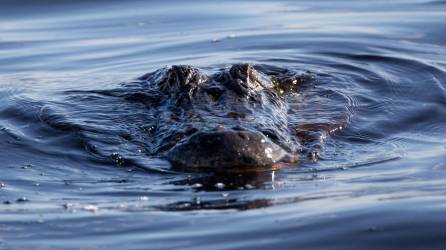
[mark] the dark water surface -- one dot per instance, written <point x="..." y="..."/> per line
<point x="379" y="183"/>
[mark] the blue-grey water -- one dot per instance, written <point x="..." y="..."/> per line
<point x="379" y="183"/>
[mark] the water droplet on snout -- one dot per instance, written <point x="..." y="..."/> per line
<point x="269" y="152"/>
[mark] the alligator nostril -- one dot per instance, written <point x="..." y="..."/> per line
<point x="242" y="135"/>
<point x="271" y="135"/>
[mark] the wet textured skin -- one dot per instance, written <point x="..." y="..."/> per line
<point x="232" y="119"/>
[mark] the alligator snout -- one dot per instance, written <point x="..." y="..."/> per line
<point x="227" y="149"/>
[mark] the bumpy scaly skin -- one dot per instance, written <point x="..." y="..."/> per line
<point x="236" y="118"/>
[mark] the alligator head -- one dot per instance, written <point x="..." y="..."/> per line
<point x="235" y="118"/>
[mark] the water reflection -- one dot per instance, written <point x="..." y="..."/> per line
<point x="230" y="181"/>
<point x="380" y="66"/>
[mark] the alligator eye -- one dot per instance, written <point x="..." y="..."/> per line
<point x="241" y="71"/>
<point x="245" y="79"/>
<point x="288" y="83"/>
<point x="181" y="79"/>
<point x="215" y="92"/>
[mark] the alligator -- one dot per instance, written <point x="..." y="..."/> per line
<point x="236" y="118"/>
<point x="241" y="117"/>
